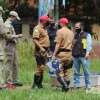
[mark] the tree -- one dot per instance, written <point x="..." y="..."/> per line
<point x="12" y="4"/>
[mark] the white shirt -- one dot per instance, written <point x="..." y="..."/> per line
<point x="1" y="25"/>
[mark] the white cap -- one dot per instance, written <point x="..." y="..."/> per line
<point x="1" y="9"/>
<point x="14" y="13"/>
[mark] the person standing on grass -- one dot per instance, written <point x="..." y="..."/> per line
<point x="17" y="27"/>
<point x="11" y="74"/>
<point x="42" y="43"/>
<point x="82" y="47"/>
<point x="63" y="51"/>
<point x="2" y="51"/>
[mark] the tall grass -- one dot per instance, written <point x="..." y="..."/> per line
<point x="26" y="69"/>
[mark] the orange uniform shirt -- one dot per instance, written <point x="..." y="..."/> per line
<point x="64" y="37"/>
<point x="41" y="35"/>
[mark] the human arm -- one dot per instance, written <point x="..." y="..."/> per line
<point x="58" y="40"/>
<point x="38" y="44"/>
<point x="36" y="36"/>
<point x="89" y="45"/>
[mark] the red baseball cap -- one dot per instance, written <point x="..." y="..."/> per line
<point x="44" y="18"/>
<point x="64" y="21"/>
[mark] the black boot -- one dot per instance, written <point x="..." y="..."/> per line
<point x="63" y="83"/>
<point x="68" y="83"/>
<point x="40" y="80"/>
<point x="36" y="78"/>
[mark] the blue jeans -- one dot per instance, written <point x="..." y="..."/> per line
<point x="77" y="62"/>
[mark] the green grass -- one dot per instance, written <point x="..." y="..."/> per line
<point x="27" y="67"/>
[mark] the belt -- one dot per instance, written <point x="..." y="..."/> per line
<point x="46" y="48"/>
<point x="63" y="50"/>
<point x="38" y="49"/>
<point x="11" y="41"/>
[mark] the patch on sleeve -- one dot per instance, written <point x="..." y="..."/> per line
<point x="36" y="33"/>
<point x="36" y="30"/>
<point x="84" y="42"/>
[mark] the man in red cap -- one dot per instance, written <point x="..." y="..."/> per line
<point x="41" y="41"/>
<point x="63" y="51"/>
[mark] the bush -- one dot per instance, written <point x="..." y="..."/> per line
<point x="2" y="3"/>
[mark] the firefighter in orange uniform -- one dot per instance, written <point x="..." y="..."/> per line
<point x="63" y="51"/>
<point x="42" y="43"/>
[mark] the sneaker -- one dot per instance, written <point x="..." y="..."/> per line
<point x="17" y="83"/>
<point x="10" y="85"/>
<point x="88" y="87"/>
<point x="3" y="86"/>
<point x="77" y="87"/>
<point x="88" y="90"/>
<point x="65" y="89"/>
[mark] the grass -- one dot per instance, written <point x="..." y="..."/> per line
<point x="27" y="67"/>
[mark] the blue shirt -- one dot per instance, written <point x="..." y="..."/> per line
<point x="89" y="42"/>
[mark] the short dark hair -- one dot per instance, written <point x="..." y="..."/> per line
<point x="81" y="24"/>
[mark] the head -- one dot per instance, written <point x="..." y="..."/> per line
<point x="78" y="27"/>
<point x="63" y="22"/>
<point x="52" y="23"/>
<point x="1" y="10"/>
<point x="14" y="15"/>
<point x="44" y="20"/>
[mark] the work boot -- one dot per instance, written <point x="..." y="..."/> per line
<point x="68" y="83"/>
<point x="3" y="86"/>
<point x="10" y="85"/>
<point x="35" y="81"/>
<point x="40" y="80"/>
<point x="65" y="87"/>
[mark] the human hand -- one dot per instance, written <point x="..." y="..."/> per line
<point x="53" y="57"/>
<point x="87" y="55"/>
<point x="20" y="35"/>
<point x="42" y="49"/>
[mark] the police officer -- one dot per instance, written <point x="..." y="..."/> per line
<point x="63" y="51"/>
<point x="41" y="41"/>
<point x="2" y="51"/>
<point x="81" y="51"/>
<point x="12" y="65"/>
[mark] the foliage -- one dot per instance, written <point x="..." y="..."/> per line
<point x="1" y="3"/>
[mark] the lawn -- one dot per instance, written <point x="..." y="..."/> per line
<point x="27" y="66"/>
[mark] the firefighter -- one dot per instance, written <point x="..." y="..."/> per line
<point x="42" y="43"/>
<point x="63" y="51"/>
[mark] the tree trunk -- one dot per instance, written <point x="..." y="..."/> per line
<point x="32" y="3"/>
<point x="12" y="4"/>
